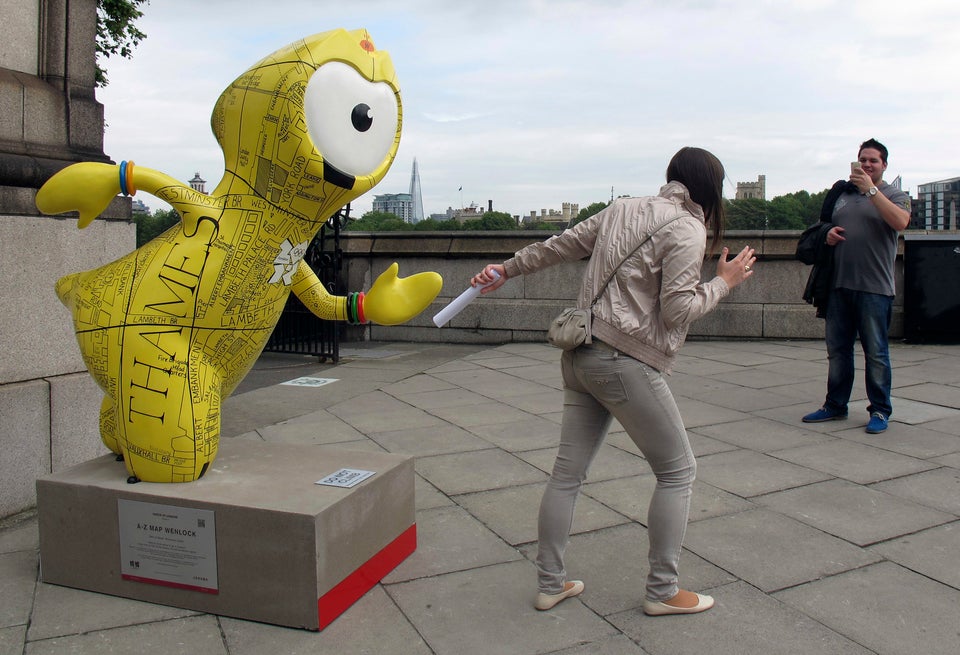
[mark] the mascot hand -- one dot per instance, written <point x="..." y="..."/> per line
<point x="87" y="187"/>
<point x="393" y="300"/>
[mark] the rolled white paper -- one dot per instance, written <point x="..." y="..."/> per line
<point x="461" y="301"/>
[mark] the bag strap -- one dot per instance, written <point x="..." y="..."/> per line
<point x="617" y="267"/>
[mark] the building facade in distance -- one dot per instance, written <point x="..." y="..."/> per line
<point x="937" y="205"/>
<point x="756" y="189"/>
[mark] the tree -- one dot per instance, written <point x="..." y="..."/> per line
<point x="588" y="211"/>
<point x="785" y="213"/>
<point x="116" y="32"/>
<point x="492" y="221"/>
<point x="153" y="225"/>
<point x="746" y="214"/>
<point x="376" y="221"/>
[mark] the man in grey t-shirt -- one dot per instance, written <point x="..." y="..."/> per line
<point x="864" y="237"/>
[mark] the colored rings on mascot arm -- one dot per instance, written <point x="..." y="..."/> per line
<point x="126" y="178"/>
<point x="355" y="308"/>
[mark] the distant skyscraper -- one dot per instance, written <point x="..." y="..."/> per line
<point x="416" y="214"/>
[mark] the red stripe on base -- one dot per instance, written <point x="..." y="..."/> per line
<point x="335" y="602"/>
<point x="166" y="583"/>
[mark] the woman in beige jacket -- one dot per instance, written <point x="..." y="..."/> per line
<point x="638" y="325"/>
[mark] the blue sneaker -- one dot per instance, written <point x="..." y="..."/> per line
<point x="823" y="414"/>
<point x="877" y="424"/>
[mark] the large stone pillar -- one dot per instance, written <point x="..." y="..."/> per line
<point x="49" y="118"/>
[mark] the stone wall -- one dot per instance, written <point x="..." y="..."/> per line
<point x="49" y="117"/>
<point x="769" y="306"/>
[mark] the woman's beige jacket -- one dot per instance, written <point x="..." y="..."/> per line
<point x="657" y="292"/>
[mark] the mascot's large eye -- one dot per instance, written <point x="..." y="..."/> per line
<point x="353" y="122"/>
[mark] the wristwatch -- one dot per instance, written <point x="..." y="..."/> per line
<point x="871" y="192"/>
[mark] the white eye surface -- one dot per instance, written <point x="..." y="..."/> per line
<point x="352" y="122"/>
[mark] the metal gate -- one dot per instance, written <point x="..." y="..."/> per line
<point x="299" y="330"/>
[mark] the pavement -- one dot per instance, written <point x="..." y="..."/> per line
<point x="813" y="538"/>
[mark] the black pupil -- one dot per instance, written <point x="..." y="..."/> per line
<point x="362" y="120"/>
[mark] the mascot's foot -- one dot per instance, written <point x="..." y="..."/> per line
<point x="133" y="479"/>
<point x="119" y="458"/>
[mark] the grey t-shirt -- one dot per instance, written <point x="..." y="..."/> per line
<point x="865" y="260"/>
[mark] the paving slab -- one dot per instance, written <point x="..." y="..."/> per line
<point x="197" y="635"/>
<point x="939" y="489"/>
<point x="930" y="393"/>
<point x="772" y="551"/>
<point x="932" y="553"/>
<point x="480" y="470"/>
<point x="373" y="625"/>
<point x="319" y="428"/>
<point x="762" y="537"/>
<point x="754" y="379"/>
<point x="696" y="413"/>
<point x="439" y="439"/>
<point x="449" y="539"/>
<point x="918" y="441"/>
<point x="745" y="399"/>
<point x="763" y="435"/>
<point x="428" y="496"/>
<point x="455" y="397"/>
<point x="62" y="611"/>
<point x="609" y="462"/>
<point x="747" y="473"/>
<point x="856" y="462"/>
<point x="379" y="412"/>
<point x="703" y="445"/>
<point x="914" y="412"/>
<point x="12" y="640"/>
<point x="872" y="607"/>
<point x="858" y="514"/>
<point x="540" y="402"/>
<point x="631" y="497"/>
<point x="18" y="579"/>
<point x="20" y="534"/>
<point x="444" y="610"/>
<point x="616" y="645"/>
<point x="512" y="512"/>
<point x="488" y="413"/>
<point x="516" y="436"/>
<point x="489" y="383"/>
<point x="612" y="562"/>
<point x="544" y="374"/>
<point x="417" y="384"/>
<point x="744" y="620"/>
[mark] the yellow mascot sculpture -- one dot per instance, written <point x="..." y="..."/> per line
<point x="171" y="329"/>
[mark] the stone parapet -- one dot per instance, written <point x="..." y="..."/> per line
<point x="770" y="305"/>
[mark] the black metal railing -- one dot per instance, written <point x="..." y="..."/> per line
<point x="299" y="330"/>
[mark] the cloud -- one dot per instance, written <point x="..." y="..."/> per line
<point x="531" y="103"/>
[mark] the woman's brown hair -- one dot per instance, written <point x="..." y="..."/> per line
<point x="702" y="173"/>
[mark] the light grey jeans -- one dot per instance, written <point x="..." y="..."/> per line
<point x="601" y="383"/>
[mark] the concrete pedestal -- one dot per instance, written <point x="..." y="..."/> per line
<point x="287" y="551"/>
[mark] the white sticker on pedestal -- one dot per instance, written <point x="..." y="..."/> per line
<point x="345" y="478"/>
<point x="168" y="545"/>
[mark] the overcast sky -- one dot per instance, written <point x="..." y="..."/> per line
<point x="532" y="103"/>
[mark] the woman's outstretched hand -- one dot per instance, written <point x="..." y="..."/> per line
<point x="738" y="269"/>
<point x="485" y="277"/>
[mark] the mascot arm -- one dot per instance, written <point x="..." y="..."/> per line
<point x="89" y="187"/>
<point x="311" y="292"/>
<point x="391" y="300"/>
